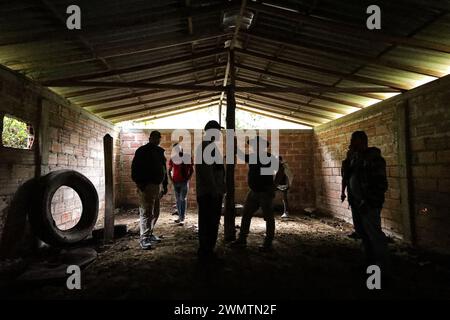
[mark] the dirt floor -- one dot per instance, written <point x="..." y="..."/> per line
<point x="313" y="258"/>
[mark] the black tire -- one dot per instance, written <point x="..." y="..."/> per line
<point x="41" y="218"/>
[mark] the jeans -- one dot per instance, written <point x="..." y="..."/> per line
<point x="148" y="209"/>
<point x="253" y="201"/>
<point x="367" y="222"/>
<point x="209" y="212"/>
<point x="181" y="190"/>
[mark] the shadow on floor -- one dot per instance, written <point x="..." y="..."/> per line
<point x="313" y="259"/>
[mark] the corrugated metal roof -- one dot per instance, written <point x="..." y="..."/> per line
<point x="290" y="43"/>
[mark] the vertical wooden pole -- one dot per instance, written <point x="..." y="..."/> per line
<point x="230" y="214"/>
<point x="109" y="188"/>
<point x="42" y="139"/>
<point x="404" y="163"/>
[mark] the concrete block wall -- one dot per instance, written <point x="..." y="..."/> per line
<point x="295" y="147"/>
<point x="428" y="139"/>
<point x="74" y="140"/>
<point x="429" y="117"/>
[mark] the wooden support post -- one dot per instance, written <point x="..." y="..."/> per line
<point x="109" y="188"/>
<point x="230" y="214"/>
<point x="404" y="162"/>
<point x="42" y="140"/>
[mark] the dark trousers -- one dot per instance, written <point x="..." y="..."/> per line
<point x="253" y="202"/>
<point x="209" y="212"/>
<point x="367" y="222"/>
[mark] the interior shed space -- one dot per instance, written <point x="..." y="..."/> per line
<point x="97" y="97"/>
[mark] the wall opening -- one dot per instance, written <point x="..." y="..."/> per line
<point x="66" y="208"/>
<point x="17" y="134"/>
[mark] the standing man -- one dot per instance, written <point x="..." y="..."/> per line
<point x="180" y="172"/>
<point x="210" y="184"/>
<point x="365" y="174"/>
<point x="148" y="171"/>
<point x="261" y="194"/>
<point x="283" y="187"/>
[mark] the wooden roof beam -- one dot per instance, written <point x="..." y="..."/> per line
<point x="309" y="67"/>
<point x="349" y="30"/>
<point x="141" y="67"/>
<point x="279" y="107"/>
<point x="167" y="100"/>
<point x="94" y="103"/>
<point x="276" y="115"/>
<point x="147" y="112"/>
<point x="314" y="96"/>
<point x="139" y="83"/>
<point x="341" y="55"/>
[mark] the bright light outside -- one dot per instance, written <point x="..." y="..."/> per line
<point x="197" y="120"/>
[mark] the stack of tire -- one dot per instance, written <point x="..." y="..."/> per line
<point x="41" y="219"/>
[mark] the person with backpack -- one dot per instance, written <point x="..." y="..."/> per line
<point x="180" y="172"/>
<point x="364" y="174"/>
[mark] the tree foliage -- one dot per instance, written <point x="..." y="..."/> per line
<point x="15" y="134"/>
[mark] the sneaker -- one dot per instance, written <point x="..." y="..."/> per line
<point x="181" y="223"/>
<point x="177" y="221"/>
<point x="239" y="243"/>
<point x="145" y="244"/>
<point x="154" y="238"/>
<point x="285" y="215"/>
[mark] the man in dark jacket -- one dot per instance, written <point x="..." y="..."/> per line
<point x="365" y="178"/>
<point x="261" y="194"/>
<point x="148" y="171"/>
<point x="210" y="187"/>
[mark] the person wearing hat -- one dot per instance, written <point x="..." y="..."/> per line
<point x="210" y="187"/>
<point x="261" y="194"/>
<point x="148" y="171"/>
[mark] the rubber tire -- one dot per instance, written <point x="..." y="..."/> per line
<point x="41" y="218"/>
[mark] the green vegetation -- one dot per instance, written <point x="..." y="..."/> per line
<point x="15" y="134"/>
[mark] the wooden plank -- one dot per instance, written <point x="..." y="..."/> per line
<point x="108" y="148"/>
<point x="143" y="85"/>
<point x="316" y="89"/>
<point x="42" y="138"/>
<point x="230" y="209"/>
<point x="404" y="163"/>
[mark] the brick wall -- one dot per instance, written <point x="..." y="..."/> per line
<point x="74" y="140"/>
<point x="295" y="147"/>
<point x="428" y="114"/>
<point x="429" y="117"/>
